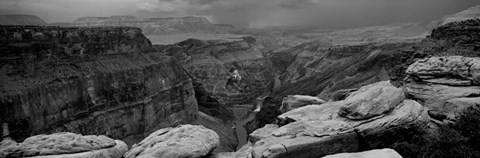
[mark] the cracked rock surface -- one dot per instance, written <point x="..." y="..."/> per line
<point x="183" y="141"/>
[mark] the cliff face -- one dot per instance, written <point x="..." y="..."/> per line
<point x="90" y="81"/>
<point x="21" y="20"/>
<point x="154" y="25"/>
<point x="209" y="61"/>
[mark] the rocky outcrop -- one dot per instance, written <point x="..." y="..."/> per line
<point x="21" y="20"/>
<point x="378" y="153"/>
<point x="447" y="85"/>
<point x="295" y="101"/>
<point x="155" y="25"/>
<point x="90" y="81"/>
<point x="382" y="110"/>
<point x="183" y="141"/>
<point x="447" y="70"/>
<point x="65" y="145"/>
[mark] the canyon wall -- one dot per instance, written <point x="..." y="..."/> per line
<point x="156" y="25"/>
<point x="208" y="62"/>
<point x="89" y="80"/>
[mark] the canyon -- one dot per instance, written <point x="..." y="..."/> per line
<point x="354" y="90"/>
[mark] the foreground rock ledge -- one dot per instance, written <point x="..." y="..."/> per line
<point x="64" y="145"/>
<point x="307" y="139"/>
<point x="380" y="153"/>
<point x="183" y="141"/>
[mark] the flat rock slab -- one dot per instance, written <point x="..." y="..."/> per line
<point x="262" y="133"/>
<point x="295" y="101"/>
<point x="68" y="145"/>
<point x="371" y="100"/>
<point x="183" y="141"/>
<point x="307" y="139"/>
<point x="325" y="111"/>
<point x="434" y="96"/>
<point x="379" y="153"/>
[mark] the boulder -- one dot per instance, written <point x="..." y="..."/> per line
<point x="382" y="131"/>
<point x="65" y="145"/>
<point x="295" y="101"/>
<point x="378" y="153"/>
<point x="183" y="141"/>
<point x="371" y="100"/>
<point x="458" y="67"/>
<point x="307" y="139"/>
<point x="454" y="108"/>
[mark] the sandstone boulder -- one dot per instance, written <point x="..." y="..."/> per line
<point x="183" y="141"/>
<point x="380" y="131"/>
<point x="371" y="100"/>
<point x="295" y="101"/>
<point x="379" y="153"/>
<point x="307" y="139"/>
<point x="459" y="67"/>
<point x="65" y="145"/>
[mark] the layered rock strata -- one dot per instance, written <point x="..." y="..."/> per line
<point x="90" y="81"/>
<point x="447" y="85"/>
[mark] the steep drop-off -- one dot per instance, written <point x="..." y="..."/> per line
<point x="89" y="81"/>
<point x="314" y="69"/>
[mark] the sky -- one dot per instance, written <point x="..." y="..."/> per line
<point x="249" y="13"/>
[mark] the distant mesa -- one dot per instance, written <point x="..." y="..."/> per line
<point x="21" y="20"/>
<point x="189" y="24"/>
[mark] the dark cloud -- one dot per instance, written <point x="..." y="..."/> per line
<point x="249" y="13"/>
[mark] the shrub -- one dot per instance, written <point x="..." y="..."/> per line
<point x="461" y="139"/>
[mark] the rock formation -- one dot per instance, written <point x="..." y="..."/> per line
<point x="21" y="20"/>
<point x="89" y="81"/>
<point x="447" y="85"/>
<point x="379" y="153"/>
<point x="371" y="117"/>
<point x="208" y="63"/>
<point x="64" y="145"/>
<point x="156" y="25"/>
<point x="183" y="141"/>
<point x="372" y="100"/>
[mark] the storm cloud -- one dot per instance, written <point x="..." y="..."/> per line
<point x="249" y="13"/>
